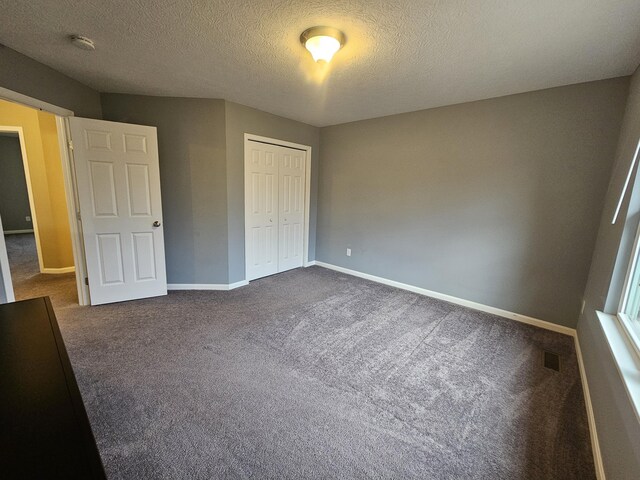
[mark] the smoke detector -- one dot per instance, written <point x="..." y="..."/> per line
<point x="83" y="42"/>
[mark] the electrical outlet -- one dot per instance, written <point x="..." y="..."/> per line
<point x="27" y="218"/>
<point x="348" y="252"/>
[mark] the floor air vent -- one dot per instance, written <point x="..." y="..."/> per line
<point x="551" y="360"/>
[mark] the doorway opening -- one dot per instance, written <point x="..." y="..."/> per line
<point x="38" y="256"/>
<point x="109" y="175"/>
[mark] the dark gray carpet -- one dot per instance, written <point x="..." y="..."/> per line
<point x="315" y="374"/>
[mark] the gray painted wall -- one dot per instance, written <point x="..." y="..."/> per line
<point x="241" y="120"/>
<point x="191" y="143"/>
<point x="496" y="201"/>
<point x="617" y="426"/>
<point x="29" y="77"/>
<point x="14" y="198"/>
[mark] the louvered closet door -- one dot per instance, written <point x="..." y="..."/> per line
<point x="118" y="179"/>
<point x="261" y="210"/>
<point x="291" y="177"/>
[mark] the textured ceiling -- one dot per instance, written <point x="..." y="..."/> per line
<point x="400" y="55"/>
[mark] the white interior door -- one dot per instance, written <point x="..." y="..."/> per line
<point x="118" y="181"/>
<point x="261" y="210"/>
<point x="291" y="178"/>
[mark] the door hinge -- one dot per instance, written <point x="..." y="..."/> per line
<point x="78" y="216"/>
<point x="86" y="281"/>
<point x="70" y="143"/>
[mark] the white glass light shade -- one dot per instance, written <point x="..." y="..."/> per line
<point x="322" y="47"/>
<point x="322" y="42"/>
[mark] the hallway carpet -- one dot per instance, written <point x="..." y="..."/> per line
<point x="316" y="374"/>
<point x="27" y="280"/>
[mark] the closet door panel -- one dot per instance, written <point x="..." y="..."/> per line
<point x="261" y="210"/>
<point x="291" y="175"/>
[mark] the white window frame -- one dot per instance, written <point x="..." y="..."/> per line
<point x="626" y="322"/>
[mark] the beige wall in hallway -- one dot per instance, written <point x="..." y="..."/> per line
<point x="45" y="171"/>
<point x="55" y="181"/>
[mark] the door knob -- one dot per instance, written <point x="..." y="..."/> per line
<point x="156" y="223"/>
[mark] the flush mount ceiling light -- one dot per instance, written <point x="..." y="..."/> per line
<point x="322" y="42"/>
<point x="82" y="42"/>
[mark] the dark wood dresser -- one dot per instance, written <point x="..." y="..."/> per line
<point x="44" y="429"/>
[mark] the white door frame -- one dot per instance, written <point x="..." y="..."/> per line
<point x="6" y="295"/>
<point x="66" y="157"/>
<point x="73" y="208"/>
<point x="248" y="137"/>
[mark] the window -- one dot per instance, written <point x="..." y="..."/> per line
<point x="622" y="331"/>
<point x="629" y="311"/>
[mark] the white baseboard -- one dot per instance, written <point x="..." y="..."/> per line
<point x="206" y="286"/>
<point x="57" y="271"/>
<point x="311" y="263"/>
<point x="458" y="301"/>
<point x="15" y="232"/>
<point x="595" y="444"/>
